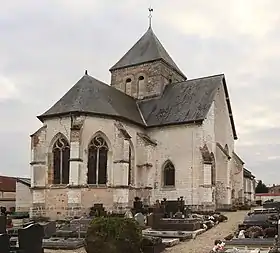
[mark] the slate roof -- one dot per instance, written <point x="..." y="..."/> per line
<point x="147" y="49"/>
<point x="184" y="102"/>
<point x="26" y="181"/>
<point x="92" y="96"/>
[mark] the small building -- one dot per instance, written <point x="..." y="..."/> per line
<point x="274" y="189"/>
<point x="23" y="195"/>
<point x="249" y="186"/>
<point x="7" y="192"/>
<point x="262" y="197"/>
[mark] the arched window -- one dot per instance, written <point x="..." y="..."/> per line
<point x="61" y="156"/>
<point x="97" y="161"/>
<point x="140" y="86"/>
<point x="169" y="174"/>
<point x="128" y="88"/>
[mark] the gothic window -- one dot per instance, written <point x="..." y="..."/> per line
<point x="169" y="174"/>
<point x="61" y="156"/>
<point x="129" y="166"/>
<point x="128" y="87"/>
<point x="97" y="161"/>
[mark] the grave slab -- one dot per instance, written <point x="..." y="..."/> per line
<point x="170" y="242"/>
<point x="246" y="251"/>
<point x="250" y="242"/>
<point x="182" y="235"/>
<point x="59" y="243"/>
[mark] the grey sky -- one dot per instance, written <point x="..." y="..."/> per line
<point x="45" y="47"/>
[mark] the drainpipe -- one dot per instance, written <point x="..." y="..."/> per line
<point x="192" y="162"/>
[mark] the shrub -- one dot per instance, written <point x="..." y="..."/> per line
<point x="113" y="235"/>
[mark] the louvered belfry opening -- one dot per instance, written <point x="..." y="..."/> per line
<point x="61" y="164"/>
<point x="97" y="161"/>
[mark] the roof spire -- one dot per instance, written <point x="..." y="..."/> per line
<point x="150" y="16"/>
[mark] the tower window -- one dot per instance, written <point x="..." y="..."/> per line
<point x="170" y="80"/>
<point x="128" y="86"/>
<point x="141" y="78"/>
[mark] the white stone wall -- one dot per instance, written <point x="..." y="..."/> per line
<point x="223" y="136"/>
<point x="223" y="129"/>
<point x="23" y="197"/>
<point x="180" y="145"/>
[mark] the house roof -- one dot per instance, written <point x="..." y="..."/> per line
<point x="26" y="181"/>
<point x="7" y="184"/>
<point x="92" y="96"/>
<point x="183" y="102"/>
<point x="147" y="49"/>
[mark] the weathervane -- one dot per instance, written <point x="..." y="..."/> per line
<point x="150" y="16"/>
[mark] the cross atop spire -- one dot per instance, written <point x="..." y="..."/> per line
<point x="150" y="16"/>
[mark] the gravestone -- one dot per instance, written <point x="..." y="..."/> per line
<point x="137" y="205"/>
<point x="128" y="214"/>
<point x="31" y="238"/>
<point x="4" y="243"/>
<point x="3" y="224"/>
<point x="139" y="217"/>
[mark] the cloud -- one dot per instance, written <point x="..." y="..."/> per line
<point x="46" y="46"/>
<point x="7" y="89"/>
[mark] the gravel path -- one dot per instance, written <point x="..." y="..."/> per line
<point x="205" y="242"/>
<point x="202" y="244"/>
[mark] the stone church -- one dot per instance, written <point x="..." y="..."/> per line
<point x="151" y="133"/>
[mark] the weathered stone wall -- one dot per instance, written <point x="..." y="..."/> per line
<point x="23" y="197"/>
<point x="156" y="76"/>
<point x="237" y="180"/>
<point x="38" y="157"/>
<point x="223" y="136"/>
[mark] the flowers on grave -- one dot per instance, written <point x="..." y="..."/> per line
<point x="219" y="246"/>
<point x="113" y="235"/>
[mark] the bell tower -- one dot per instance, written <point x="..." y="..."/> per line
<point x="145" y="70"/>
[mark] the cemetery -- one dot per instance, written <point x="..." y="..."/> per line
<point x="259" y="232"/>
<point x="140" y="229"/>
<point x="146" y="228"/>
